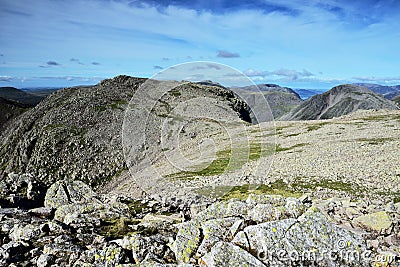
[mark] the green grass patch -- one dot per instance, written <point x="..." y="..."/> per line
<point x="315" y="126"/>
<point x="50" y="127"/>
<point x="279" y="148"/>
<point x="311" y="185"/>
<point x="224" y="161"/>
<point x="291" y="135"/>
<point x="276" y="188"/>
<point x="375" y="141"/>
<point x="376" y="118"/>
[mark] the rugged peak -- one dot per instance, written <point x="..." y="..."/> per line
<point x="349" y="88"/>
<point x="339" y="101"/>
<point x="122" y="80"/>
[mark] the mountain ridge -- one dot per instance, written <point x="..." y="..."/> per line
<point x="339" y="101"/>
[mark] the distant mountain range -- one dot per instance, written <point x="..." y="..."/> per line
<point x="284" y="103"/>
<point x="10" y="109"/>
<point x="389" y="92"/>
<point x="339" y="101"/>
<point x="14" y="94"/>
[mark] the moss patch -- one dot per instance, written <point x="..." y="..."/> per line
<point x="115" y="228"/>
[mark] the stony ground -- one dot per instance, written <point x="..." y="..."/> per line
<point x="329" y="196"/>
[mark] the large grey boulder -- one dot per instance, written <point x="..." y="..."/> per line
<point x="310" y="239"/>
<point x="68" y="192"/>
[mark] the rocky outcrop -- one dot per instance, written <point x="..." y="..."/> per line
<point x="339" y="101"/>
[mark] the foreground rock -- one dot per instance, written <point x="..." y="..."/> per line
<point x="81" y="228"/>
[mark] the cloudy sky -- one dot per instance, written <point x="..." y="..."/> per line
<point x="295" y="43"/>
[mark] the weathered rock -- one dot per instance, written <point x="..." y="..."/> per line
<point x="294" y="207"/>
<point x="145" y="248"/>
<point x="263" y="213"/>
<point x="45" y="260"/>
<point x="311" y="233"/>
<point x="379" y="222"/>
<point x="227" y="254"/>
<point x="68" y="192"/>
<point x="111" y="255"/>
<point x="214" y="231"/>
<point x="187" y="241"/>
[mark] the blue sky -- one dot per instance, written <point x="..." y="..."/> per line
<point x="295" y="43"/>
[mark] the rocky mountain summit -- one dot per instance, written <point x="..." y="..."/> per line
<point x="338" y="101"/>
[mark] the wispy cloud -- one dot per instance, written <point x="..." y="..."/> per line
<point x="76" y="61"/>
<point x="156" y="67"/>
<point x="96" y="63"/>
<point x="360" y="36"/>
<point x="206" y="66"/>
<point x="373" y="79"/>
<point x="283" y="73"/>
<point x="52" y="63"/>
<point x="5" y="78"/>
<point x="17" y="13"/>
<point x="227" y="54"/>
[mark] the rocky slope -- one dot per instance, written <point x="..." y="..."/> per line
<point x="281" y="100"/>
<point x="389" y="92"/>
<point x="8" y="110"/>
<point x="76" y="132"/>
<point x="397" y="100"/>
<point x="338" y="101"/>
<point x="14" y="94"/>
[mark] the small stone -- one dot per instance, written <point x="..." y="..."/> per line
<point x="41" y="212"/>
